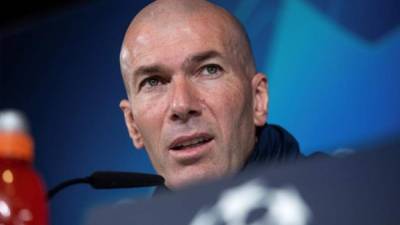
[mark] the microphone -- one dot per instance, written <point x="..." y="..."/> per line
<point x="111" y="180"/>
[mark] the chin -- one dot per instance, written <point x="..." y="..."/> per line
<point x="192" y="176"/>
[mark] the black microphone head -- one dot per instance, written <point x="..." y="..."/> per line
<point x="107" y="180"/>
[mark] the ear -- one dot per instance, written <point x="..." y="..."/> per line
<point x="130" y="124"/>
<point x="260" y="98"/>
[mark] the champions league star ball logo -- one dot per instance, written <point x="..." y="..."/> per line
<point x="254" y="204"/>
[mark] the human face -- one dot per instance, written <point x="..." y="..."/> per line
<point x="190" y="104"/>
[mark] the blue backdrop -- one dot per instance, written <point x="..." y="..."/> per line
<point x="333" y="69"/>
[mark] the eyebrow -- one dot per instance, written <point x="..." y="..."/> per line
<point x="148" y="69"/>
<point x="200" y="57"/>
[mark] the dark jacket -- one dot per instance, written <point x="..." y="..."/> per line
<point x="274" y="144"/>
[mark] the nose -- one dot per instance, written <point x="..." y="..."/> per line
<point x="185" y="102"/>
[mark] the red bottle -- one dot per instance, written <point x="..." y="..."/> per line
<point x="23" y="198"/>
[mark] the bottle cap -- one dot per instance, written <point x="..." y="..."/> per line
<point x="15" y="141"/>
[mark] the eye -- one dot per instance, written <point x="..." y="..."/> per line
<point x="151" y="82"/>
<point x="211" y="69"/>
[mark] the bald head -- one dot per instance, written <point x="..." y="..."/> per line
<point x="165" y="16"/>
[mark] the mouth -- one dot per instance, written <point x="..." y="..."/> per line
<point x="188" y="142"/>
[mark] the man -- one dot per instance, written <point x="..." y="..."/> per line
<point x="195" y="101"/>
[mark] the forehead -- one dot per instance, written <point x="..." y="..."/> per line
<point x="171" y="42"/>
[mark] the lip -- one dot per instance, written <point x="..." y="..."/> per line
<point x="182" y="139"/>
<point x="191" y="153"/>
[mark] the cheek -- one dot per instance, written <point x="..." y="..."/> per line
<point x="148" y="114"/>
<point x="231" y="104"/>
